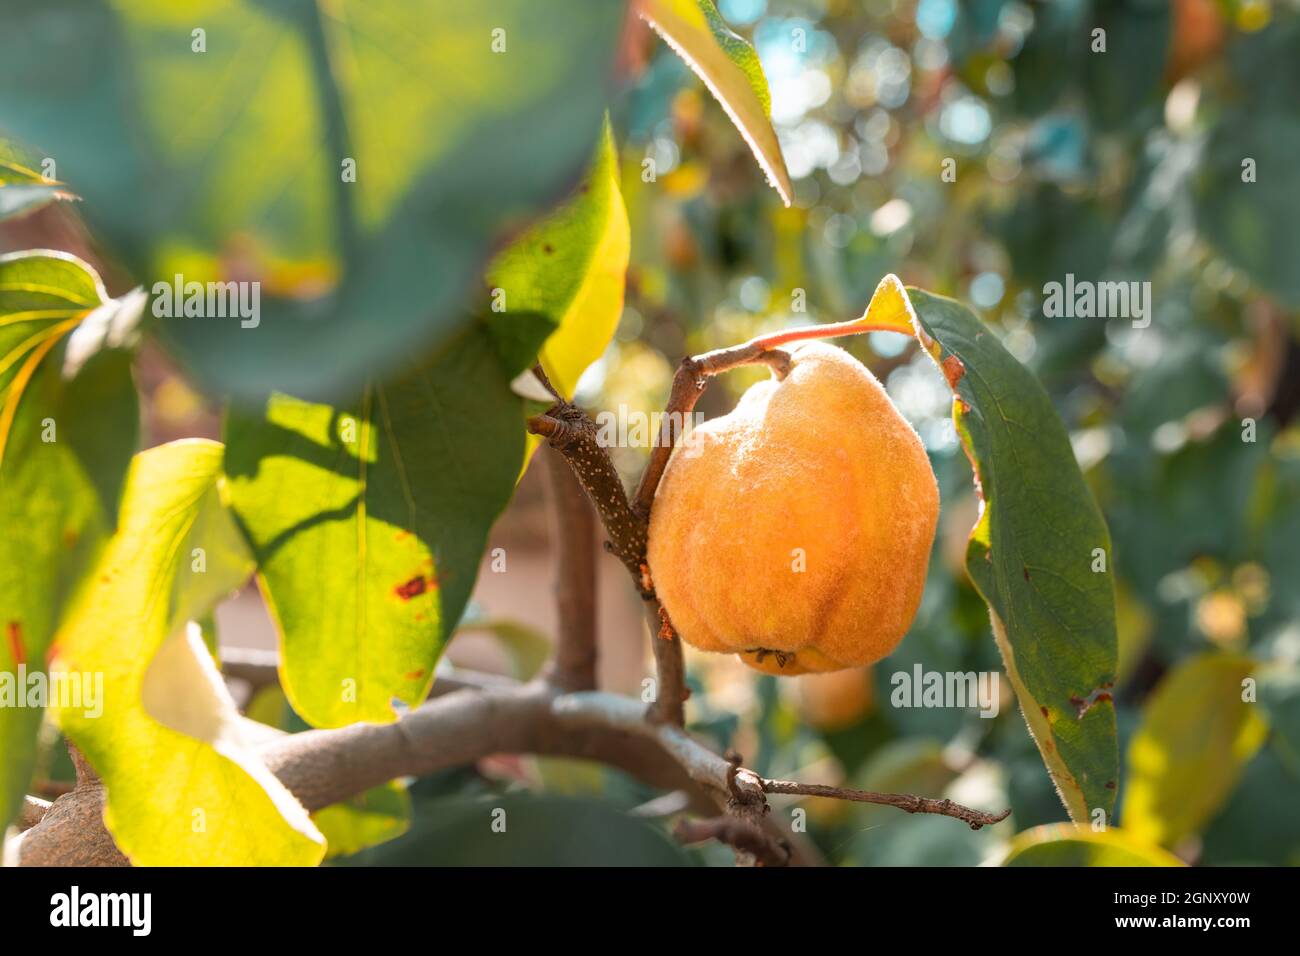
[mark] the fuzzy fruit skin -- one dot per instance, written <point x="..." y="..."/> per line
<point x="821" y="461"/>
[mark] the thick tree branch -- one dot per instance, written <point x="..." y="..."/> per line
<point x="324" y="767"/>
<point x="573" y="666"/>
<point x="32" y="812"/>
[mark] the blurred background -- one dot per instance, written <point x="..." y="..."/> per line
<point x="1120" y="164"/>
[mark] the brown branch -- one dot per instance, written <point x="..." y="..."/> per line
<point x="570" y="432"/>
<point x="689" y="380"/>
<point x="904" y="801"/>
<point x="259" y="668"/>
<point x="324" y="767"/>
<point x="671" y="692"/>
<point x="742" y="835"/>
<point x="256" y="667"/>
<point x="573" y="666"/>
<point x="32" y="811"/>
<point x="459" y="678"/>
<point x="71" y="832"/>
<point x="573" y="434"/>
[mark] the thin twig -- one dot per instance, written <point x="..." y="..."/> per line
<point x="671" y="692"/>
<point x="570" y="432"/>
<point x="693" y="374"/>
<point x="903" y="801"/>
<point x="259" y="667"/>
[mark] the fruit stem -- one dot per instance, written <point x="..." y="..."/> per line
<point x="829" y="331"/>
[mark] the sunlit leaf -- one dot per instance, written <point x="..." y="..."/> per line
<point x="569" y="270"/>
<point x="368" y="819"/>
<point x="1063" y="844"/>
<point x="64" y="446"/>
<point x="184" y="785"/>
<point x="23" y="188"/>
<point x="368" y="521"/>
<point x="730" y="69"/>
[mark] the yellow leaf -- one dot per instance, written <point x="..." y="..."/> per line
<point x="1197" y="735"/>
<point x="185" y="787"/>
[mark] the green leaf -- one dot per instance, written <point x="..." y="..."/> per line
<point x="22" y="188"/>
<point x="1279" y="695"/>
<point x="1063" y="844"/>
<point x="1123" y="84"/>
<point x="64" y="447"/>
<point x="463" y="119"/>
<point x="369" y="819"/>
<point x="1196" y="736"/>
<point x="730" y="69"/>
<point x="368" y="521"/>
<point x="1255" y="225"/>
<point x="540" y="831"/>
<point x="1258" y="824"/>
<point x="1032" y="553"/>
<point x="568" y="271"/>
<point x="184" y="784"/>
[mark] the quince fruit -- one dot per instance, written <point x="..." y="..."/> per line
<point x="796" y="530"/>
